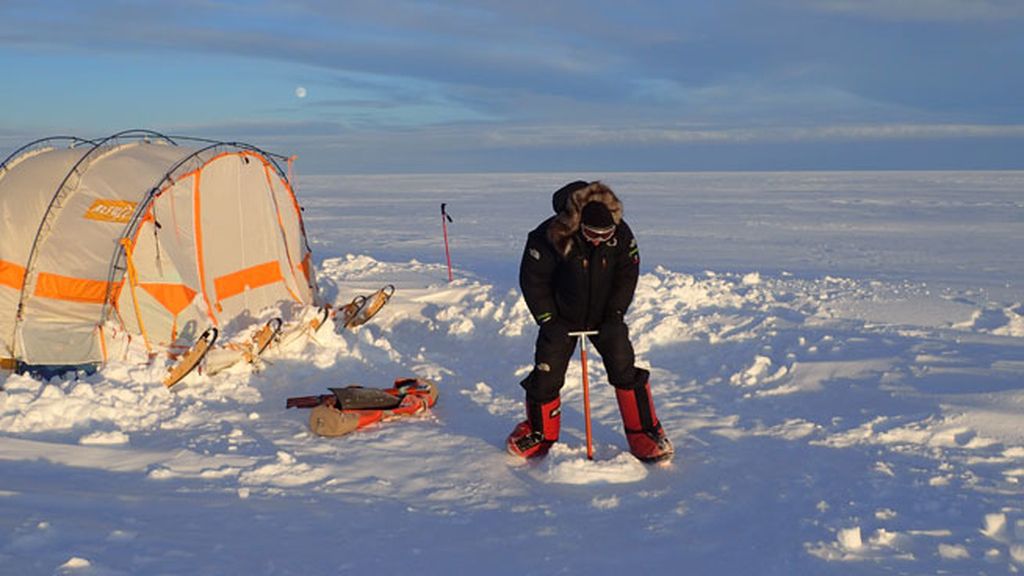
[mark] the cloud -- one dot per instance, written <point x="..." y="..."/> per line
<point x="924" y="10"/>
<point x="459" y="77"/>
<point x="544" y="136"/>
<point x="490" y="58"/>
<point x="452" y="43"/>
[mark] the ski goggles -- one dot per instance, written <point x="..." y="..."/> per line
<point x="598" y="235"/>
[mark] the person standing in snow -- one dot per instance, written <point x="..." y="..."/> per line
<point x="578" y="272"/>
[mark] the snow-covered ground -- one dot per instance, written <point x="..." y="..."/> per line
<point x="839" y="358"/>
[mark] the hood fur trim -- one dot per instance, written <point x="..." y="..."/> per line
<point x="562" y="227"/>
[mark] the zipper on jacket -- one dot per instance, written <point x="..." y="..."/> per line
<point x="587" y="252"/>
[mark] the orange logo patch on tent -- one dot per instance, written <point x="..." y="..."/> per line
<point x="111" y="211"/>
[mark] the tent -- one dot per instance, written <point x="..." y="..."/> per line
<point x="141" y="235"/>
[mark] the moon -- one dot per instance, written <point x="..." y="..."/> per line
<point x="300" y="91"/>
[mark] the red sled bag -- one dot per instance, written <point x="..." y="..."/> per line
<point x="353" y="407"/>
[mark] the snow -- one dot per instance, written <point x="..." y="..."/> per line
<point x="838" y="358"/>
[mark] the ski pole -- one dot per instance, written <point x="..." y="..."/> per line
<point x="445" y="219"/>
<point x="586" y="388"/>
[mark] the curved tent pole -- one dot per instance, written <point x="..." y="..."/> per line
<point x="231" y="143"/>
<point x="143" y="206"/>
<point x="136" y="220"/>
<point x="140" y="210"/>
<point x="140" y="133"/>
<point x="60" y="194"/>
<point x="273" y="157"/>
<point x="74" y="140"/>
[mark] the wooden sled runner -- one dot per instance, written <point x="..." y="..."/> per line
<point x="190" y="359"/>
<point x="362" y="308"/>
<point x="219" y="358"/>
<point x="250" y="351"/>
<point x="305" y="327"/>
<point x="323" y="313"/>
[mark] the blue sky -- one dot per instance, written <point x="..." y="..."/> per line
<point x="488" y="86"/>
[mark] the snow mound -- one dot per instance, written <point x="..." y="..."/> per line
<point x="569" y="465"/>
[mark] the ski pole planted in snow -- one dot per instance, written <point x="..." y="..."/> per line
<point x="445" y="219"/>
<point x="586" y="387"/>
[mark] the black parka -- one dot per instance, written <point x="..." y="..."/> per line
<point x="568" y="280"/>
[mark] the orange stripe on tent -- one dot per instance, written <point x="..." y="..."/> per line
<point x="173" y="297"/>
<point x="253" y="277"/>
<point x="71" y="289"/>
<point x="12" y="275"/>
<point x="307" y="264"/>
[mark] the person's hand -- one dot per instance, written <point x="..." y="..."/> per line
<point x="613" y="327"/>
<point x="613" y="317"/>
<point x="555" y="329"/>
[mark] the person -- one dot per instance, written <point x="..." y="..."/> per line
<point x="578" y="272"/>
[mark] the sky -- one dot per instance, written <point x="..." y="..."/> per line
<point x="485" y="86"/>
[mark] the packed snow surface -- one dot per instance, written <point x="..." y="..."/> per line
<point x="838" y="357"/>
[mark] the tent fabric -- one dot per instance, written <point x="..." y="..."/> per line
<point x="160" y="238"/>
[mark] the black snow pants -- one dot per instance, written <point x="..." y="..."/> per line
<point x="555" y="348"/>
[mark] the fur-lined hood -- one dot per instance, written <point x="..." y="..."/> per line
<point x="569" y="202"/>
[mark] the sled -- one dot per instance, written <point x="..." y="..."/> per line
<point x="191" y="358"/>
<point x="347" y="409"/>
<point x="362" y="308"/>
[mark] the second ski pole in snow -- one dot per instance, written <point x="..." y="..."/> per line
<point x="445" y="219"/>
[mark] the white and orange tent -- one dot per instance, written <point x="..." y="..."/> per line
<point x="141" y="235"/>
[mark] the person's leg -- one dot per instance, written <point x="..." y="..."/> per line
<point x="647" y="439"/>
<point x="612" y="343"/>
<point x="535" y="435"/>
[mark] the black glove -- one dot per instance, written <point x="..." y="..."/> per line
<point x="613" y="328"/>
<point x="612" y="317"/>
<point x="555" y="329"/>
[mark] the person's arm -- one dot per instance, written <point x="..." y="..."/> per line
<point x="625" y="275"/>
<point x="536" y="271"/>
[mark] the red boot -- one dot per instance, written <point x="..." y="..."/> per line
<point x="647" y="440"/>
<point x="533" y="437"/>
